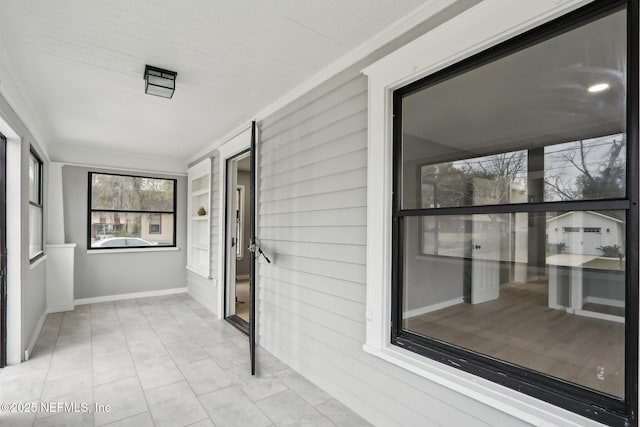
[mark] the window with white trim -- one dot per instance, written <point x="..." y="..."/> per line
<point x="505" y="168"/>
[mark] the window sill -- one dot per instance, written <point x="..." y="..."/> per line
<point x="37" y="261"/>
<point x="506" y="400"/>
<point x="198" y="271"/>
<point x="132" y="250"/>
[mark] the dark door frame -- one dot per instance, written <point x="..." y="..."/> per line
<point x="235" y="320"/>
<point x="3" y="251"/>
<point x="252" y="250"/>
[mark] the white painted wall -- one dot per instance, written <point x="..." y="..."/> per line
<point x="103" y="274"/>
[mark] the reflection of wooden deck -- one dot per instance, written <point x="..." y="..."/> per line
<point x="519" y="328"/>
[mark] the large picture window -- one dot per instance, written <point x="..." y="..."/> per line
<point x="131" y="212"/>
<point x="515" y="214"/>
<point x="36" y="249"/>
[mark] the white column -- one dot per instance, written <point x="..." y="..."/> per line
<point x="60" y="255"/>
<point x="55" y="210"/>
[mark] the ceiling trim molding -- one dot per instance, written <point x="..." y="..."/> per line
<point x="119" y="169"/>
<point x="387" y="35"/>
<point x="98" y="157"/>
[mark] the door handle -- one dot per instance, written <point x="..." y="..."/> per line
<point x="253" y="248"/>
<point x="262" y="253"/>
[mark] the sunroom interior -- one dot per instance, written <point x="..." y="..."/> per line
<point x="341" y="213"/>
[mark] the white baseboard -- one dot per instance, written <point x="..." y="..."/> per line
<point x="242" y="277"/>
<point x="433" y="307"/>
<point x="35" y="334"/>
<point x="603" y="301"/>
<point x="120" y="297"/>
<point x="60" y="308"/>
<point x="609" y="317"/>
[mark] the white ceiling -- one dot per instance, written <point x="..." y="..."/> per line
<point x="79" y="63"/>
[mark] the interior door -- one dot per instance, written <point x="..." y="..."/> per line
<point x="3" y="253"/>
<point x="485" y="260"/>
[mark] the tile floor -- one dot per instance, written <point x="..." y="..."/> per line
<point x="162" y="361"/>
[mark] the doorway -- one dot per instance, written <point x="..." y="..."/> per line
<point x="237" y="220"/>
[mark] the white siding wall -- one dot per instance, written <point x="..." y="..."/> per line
<point x="312" y="223"/>
<point x="202" y="289"/>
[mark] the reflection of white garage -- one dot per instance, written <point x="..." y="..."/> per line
<point x="583" y="232"/>
<point x="582" y="241"/>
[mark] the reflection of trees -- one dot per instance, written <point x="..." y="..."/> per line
<point x="115" y="192"/>
<point x="502" y="170"/>
<point x="480" y="180"/>
<point x="600" y="167"/>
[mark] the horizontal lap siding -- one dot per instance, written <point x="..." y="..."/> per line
<point x="312" y="224"/>
<point x="200" y="288"/>
<point x="339" y="359"/>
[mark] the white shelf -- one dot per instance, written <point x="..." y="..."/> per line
<point x="200" y="192"/>
<point x="199" y="188"/>
<point x="199" y="270"/>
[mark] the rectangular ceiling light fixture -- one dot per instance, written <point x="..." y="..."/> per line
<point x="159" y="82"/>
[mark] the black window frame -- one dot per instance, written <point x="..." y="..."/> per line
<point x="578" y="399"/>
<point x="90" y="211"/>
<point x="39" y="203"/>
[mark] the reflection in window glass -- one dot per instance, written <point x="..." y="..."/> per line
<point x="588" y="169"/>
<point x="35" y="231"/>
<point x="531" y="111"/>
<point x="131" y="193"/>
<point x="36" y="247"/>
<point x="530" y="288"/>
<point x="34" y="179"/>
<point x="487" y="180"/>
<point x="116" y="229"/>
